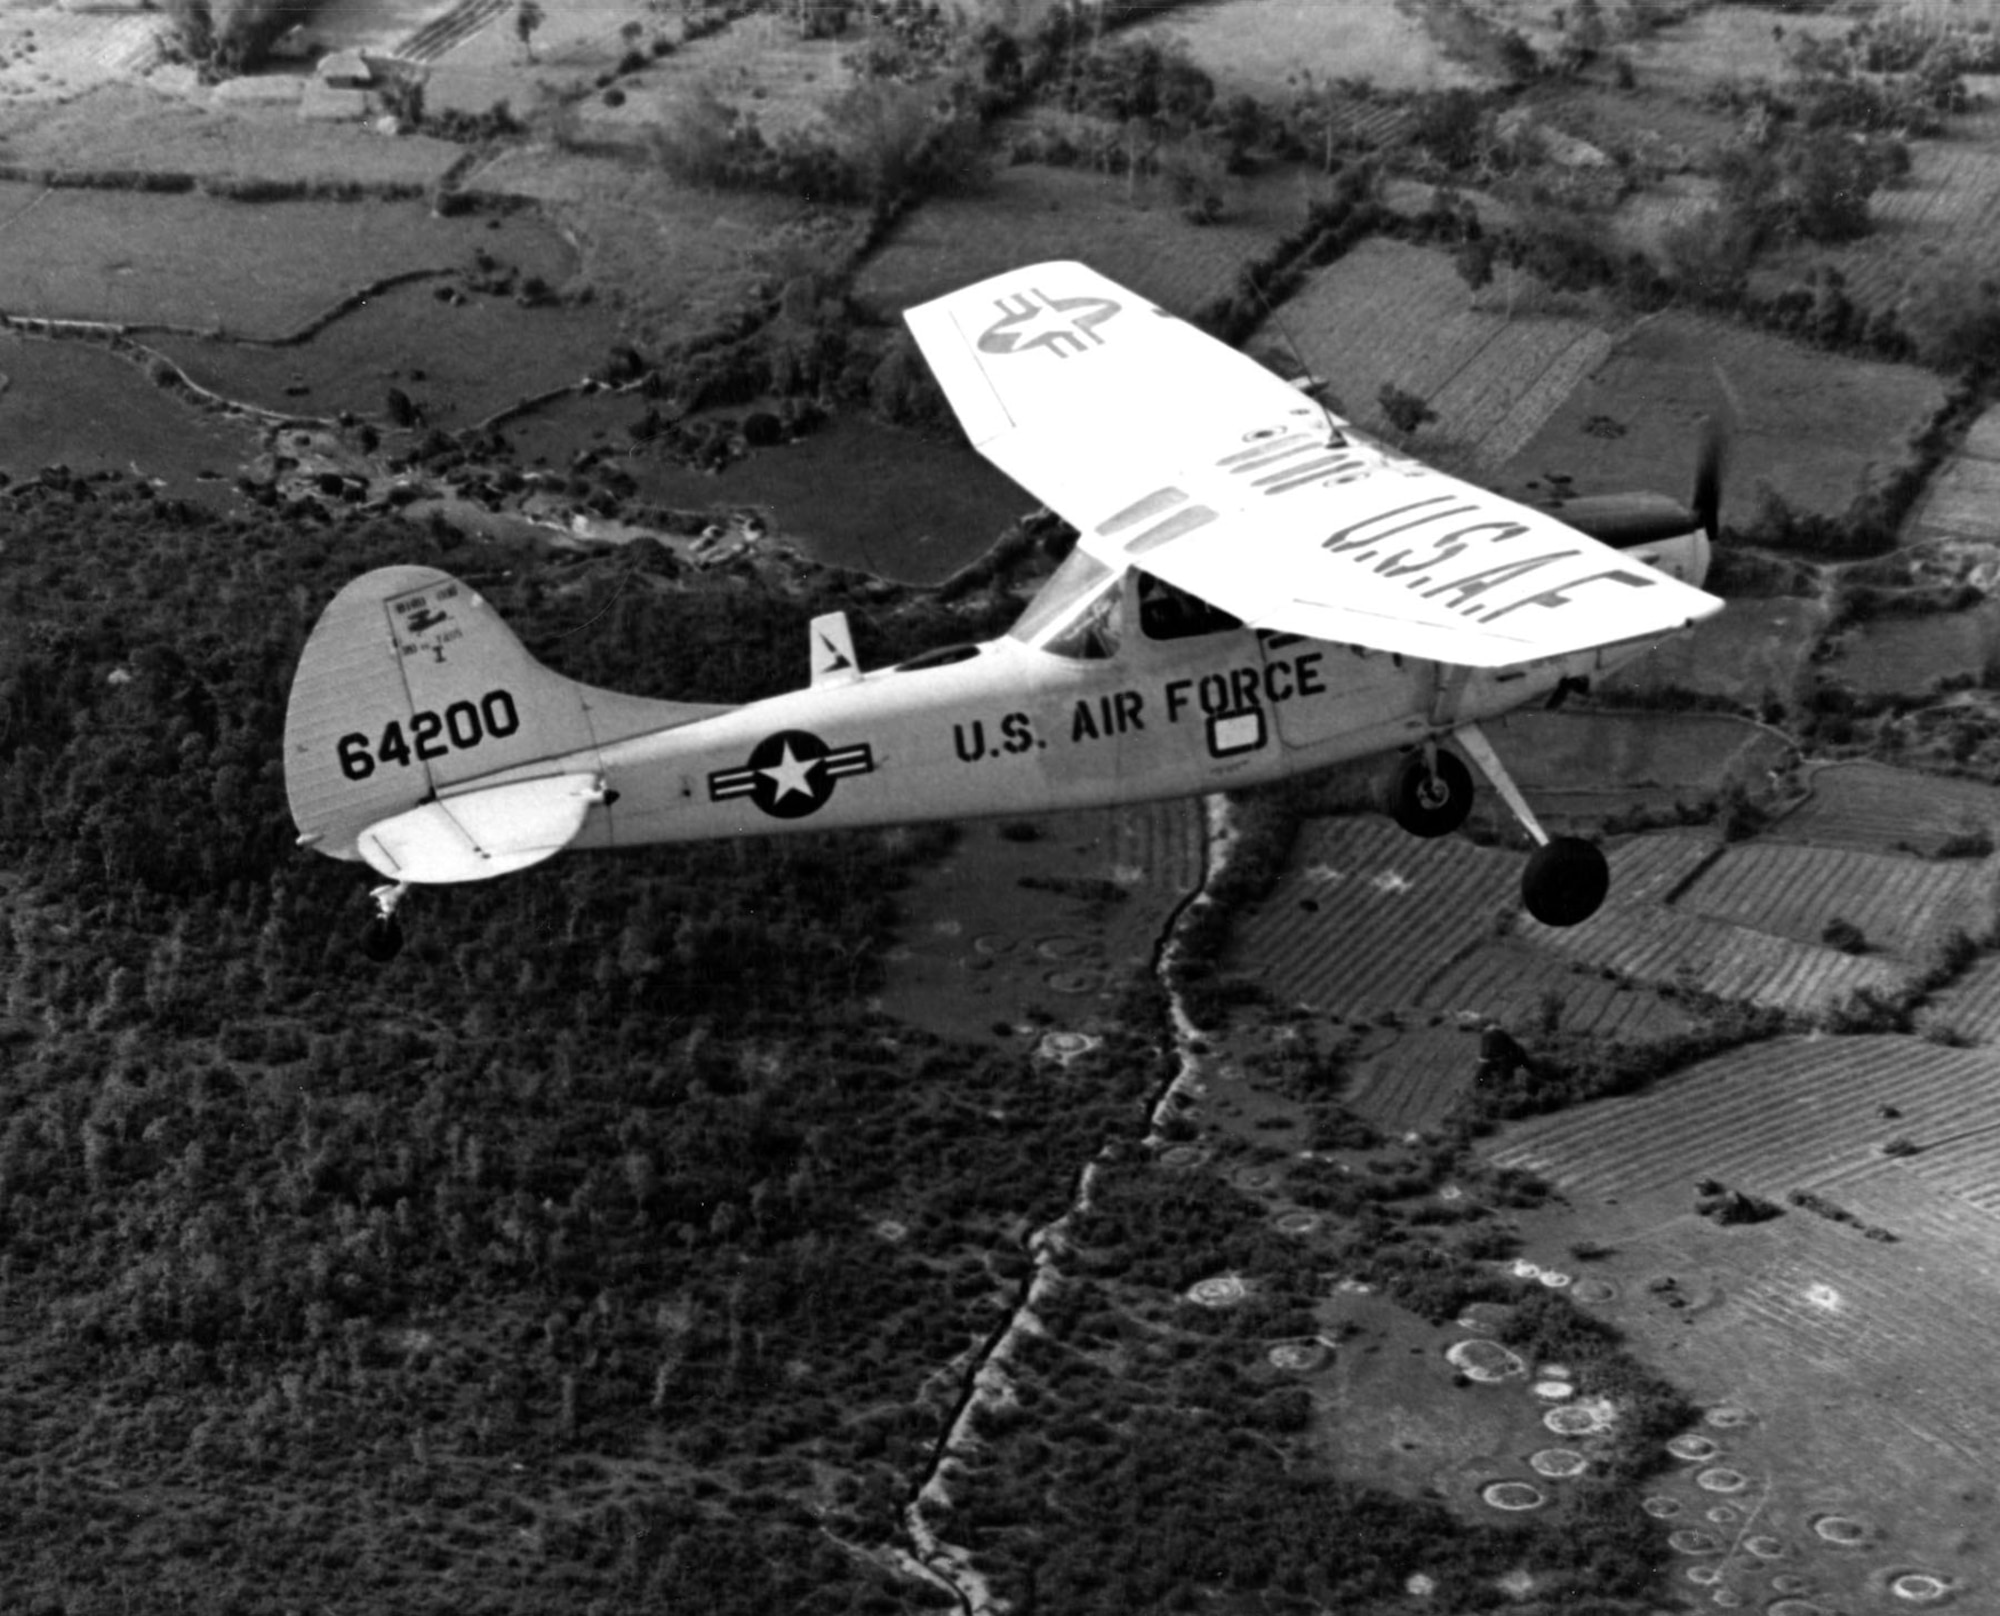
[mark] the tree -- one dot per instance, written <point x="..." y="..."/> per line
<point x="528" y="16"/>
<point x="1406" y="412"/>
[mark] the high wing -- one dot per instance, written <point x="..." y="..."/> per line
<point x="1169" y="450"/>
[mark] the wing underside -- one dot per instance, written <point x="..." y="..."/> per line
<point x="1171" y="451"/>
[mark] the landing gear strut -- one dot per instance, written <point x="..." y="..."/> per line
<point x="382" y="939"/>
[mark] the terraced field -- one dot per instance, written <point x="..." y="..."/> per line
<point x="1874" y="805"/>
<point x="1409" y="1080"/>
<point x="1391" y="313"/>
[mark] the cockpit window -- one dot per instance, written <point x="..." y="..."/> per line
<point x="1167" y="613"/>
<point x="1076" y="613"/>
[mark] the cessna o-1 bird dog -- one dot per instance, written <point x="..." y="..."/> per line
<point x="1258" y="591"/>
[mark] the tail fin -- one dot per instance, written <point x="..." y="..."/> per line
<point x="411" y="687"/>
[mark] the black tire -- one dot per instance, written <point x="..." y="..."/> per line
<point x="1565" y="882"/>
<point x="1431" y="802"/>
<point x="382" y="941"/>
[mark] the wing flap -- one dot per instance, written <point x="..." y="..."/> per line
<point x="477" y="835"/>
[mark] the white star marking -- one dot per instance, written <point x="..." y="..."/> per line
<point x="789" y="775"/>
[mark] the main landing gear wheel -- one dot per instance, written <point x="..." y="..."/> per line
<point x="1565" y="881"/>
<point x="1431" y="799"/>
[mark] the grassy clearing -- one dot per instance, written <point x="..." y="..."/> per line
<point x="1389" y="313"/>
<point x="248" y="269"/>
<point x="1257" y="47"/>
<point x="1815" y="428"/>
<point x="86" y="407"/>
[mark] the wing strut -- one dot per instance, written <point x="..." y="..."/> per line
<point x="1473" y="739"/>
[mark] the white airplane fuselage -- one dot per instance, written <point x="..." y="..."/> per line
<point x="1012" y="729"/>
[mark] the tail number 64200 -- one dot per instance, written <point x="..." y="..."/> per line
<point x="462" y="726"/>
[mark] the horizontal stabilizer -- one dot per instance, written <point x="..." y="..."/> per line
<point x="481" y="834"/>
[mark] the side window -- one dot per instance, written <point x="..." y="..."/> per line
<point x="1167" y="613"/>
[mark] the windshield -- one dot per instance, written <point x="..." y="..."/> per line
<point x="1076" y="612"/>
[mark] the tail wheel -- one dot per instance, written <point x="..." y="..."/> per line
<point x="1431" y="800"/>
<point x="382" y="940"/>
<point x="1565" y="881"/>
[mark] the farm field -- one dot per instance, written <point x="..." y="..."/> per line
<point x="459" y="361"/>
<point x="149" y="257"/>
<point x="1903" y="906"/>
<point x="1654" y="757"/>
<point x="1033" y="212"/>
<point x="1259" y="47"/>
<point x="1367" y="913"/>
<point x="1757" y="652"/>
<point x="1389" y="313"/>
<point x="1962" y="500"/>
<point x="1781" y="1321"/>
<point x="1511" y="980"/>
<point x="1815" y="428"/>
<point x="1875" y="805"/>
<point x="673" y="261"/>
<point x="1908" y="655"/>
<point x="48" y="388"/>
<point x="1943" y="217"/>
<point x="133" y="128"/>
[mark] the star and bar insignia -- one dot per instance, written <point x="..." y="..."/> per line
<point x="791" y="774"/>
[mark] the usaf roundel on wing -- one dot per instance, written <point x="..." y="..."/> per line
<point x="791" y="774"/>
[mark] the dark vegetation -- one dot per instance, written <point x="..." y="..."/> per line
<point x="557" y="1236"/>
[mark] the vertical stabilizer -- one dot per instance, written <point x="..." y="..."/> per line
<point x="833" y="660"/>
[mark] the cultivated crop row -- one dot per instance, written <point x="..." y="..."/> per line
<point x="1510" y="981"/>
<point x="1899" y="903"/>
<point x="1656" y="944"/>
<point x="1389" y="313"/>
<point x="1368" y="913"/>
<point x="1868" y="804"/>
<point x="1768" y="1118"/>
<point x="1154" y="851"/>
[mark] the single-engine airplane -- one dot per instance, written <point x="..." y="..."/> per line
<point x="1259" y="590"/>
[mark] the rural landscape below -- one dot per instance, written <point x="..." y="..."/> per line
<point x="1231" y="1205"/>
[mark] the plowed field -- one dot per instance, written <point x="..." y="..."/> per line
<point x="1901" y="904"/>
<point x="1962" y="500"/>
<point x="1368" y="913"/>
<point x="1509" y="980"/>
<point x="1771" y="1118"/>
